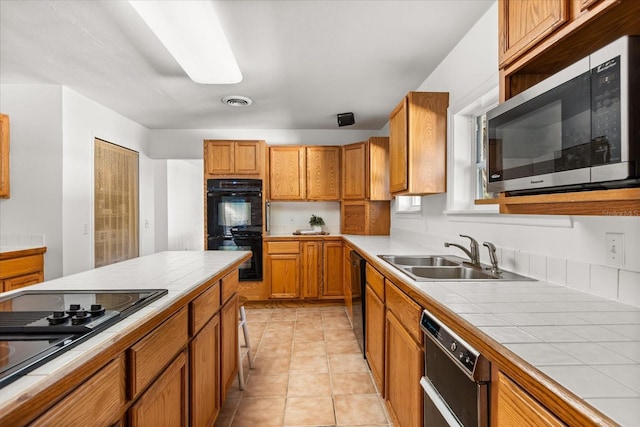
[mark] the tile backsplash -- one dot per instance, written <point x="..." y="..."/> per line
<point x="22" y="240"/>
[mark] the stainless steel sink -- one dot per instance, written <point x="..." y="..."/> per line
<point x="449" y="273"/>
<point x="421" y="260"/>
<point x="437" y="268"/>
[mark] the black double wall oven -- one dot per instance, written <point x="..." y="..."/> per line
<point x="234" y="221"/>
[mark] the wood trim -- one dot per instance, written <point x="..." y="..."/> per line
<point x="22" y="252"/>
<point x="619" y="202"/>
<point x="5" y="176"/>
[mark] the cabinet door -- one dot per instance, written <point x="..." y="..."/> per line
<point x="311" y="268"/>
<point x="403" y="370"/>
<point x="98" y="401"/>
<point x="248" y="158"/>
<point x="332" y="272"/>
<point x="398" y="149"/>
<point x="523" y="23"/>
<point x="165" y="403"/>
<point x="516" y="407"/>
<point x="374" y="341"/>
<point x="229" y="344"/>
<point x="204" y="362"/>
<point x="283" y="273"/>
<point x="354" y="171"/>
<point x="323" y="173"/>
<point x="346" y="281"/>
<point x="287" y="171"/>
<point x="219" y="157"/>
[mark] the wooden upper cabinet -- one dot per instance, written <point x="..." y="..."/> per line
<point x="287" y="171"/>
<point x="523" y="23"/>
<point x="323" y="173"/>
<point x="365" y="170"/>
<point x="4" y="156"/>
<point x="304" y="173"/>
<point x="233" y="157"/>
<point x="418" y="144"/>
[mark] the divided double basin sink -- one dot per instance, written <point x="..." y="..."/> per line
<point x="442" y="268"/>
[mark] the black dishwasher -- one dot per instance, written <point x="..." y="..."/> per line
<point x="358" y="283"/>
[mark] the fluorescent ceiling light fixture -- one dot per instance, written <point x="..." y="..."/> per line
<point x="191" y="32"/>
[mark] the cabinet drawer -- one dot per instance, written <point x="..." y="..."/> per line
<point x="19" y="266"/>
<point x="406" y="310"/>
<point x="98" y="401"/>
<point x="292" y="247"/>
<point x="22" y="281"/>
<point x="204" y="307"/>
<point x="152" y="353"/>
<point x="376" y="281"/>
<point x="230" y="284"/>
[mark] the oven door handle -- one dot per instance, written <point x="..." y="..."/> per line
<point x="439" y="403"/>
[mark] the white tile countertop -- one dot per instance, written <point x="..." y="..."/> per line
<point x="178" y="272"/>
<point x="587" y="344"/>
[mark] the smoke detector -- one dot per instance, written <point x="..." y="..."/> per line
<point x="237" y="101"/>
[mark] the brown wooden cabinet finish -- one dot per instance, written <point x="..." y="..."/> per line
<point x="323" y="173"/>
<point x="304" y="173"/>
<point x="283" y="269"/>
<point x="523" y="23"/>
<point x="21" y="268"/>
<point x="311" y="268"/>
<point x="228" y="158"/>
<point x="332" y="286"/>
<point x="365" y="170"/>
<point x="229" y="344"/>
<point x="204" y="373"/>
<point x="418" y="144"/>
<point x="365" y="217"/>
<point x="287" y="173"/>
<point x="347" y="286"/>
<point x="99" y="401"/>
<point x="515" y="407"/>
<point x="166" y="401"/>
<point x="4" y="157"/>
<point x="403" y="369"/>
<point x="152" y="353"/>
<point x="203" y="307"/>
<point x="374" y="340"/>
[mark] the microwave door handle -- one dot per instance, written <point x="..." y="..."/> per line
<point x="439" y="403"/>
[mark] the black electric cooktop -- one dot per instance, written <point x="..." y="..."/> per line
<point x="36" y="326"/>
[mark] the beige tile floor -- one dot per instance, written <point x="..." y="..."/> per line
<point x="309" y="371"/>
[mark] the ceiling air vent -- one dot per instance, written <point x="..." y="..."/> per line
<point x="236" y="101"/>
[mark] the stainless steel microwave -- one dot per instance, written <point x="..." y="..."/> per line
<point x="576" y="130"/>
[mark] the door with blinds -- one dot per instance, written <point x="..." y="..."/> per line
<point x="115" y="203"/>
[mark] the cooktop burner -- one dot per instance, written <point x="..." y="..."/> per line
<point x="36" y="326"/>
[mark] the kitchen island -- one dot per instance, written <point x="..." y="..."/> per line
<point x="573" y="356"/>
<point x="126" y="371"/>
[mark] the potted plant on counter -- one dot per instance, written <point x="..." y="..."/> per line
<point x="316" y="223"/>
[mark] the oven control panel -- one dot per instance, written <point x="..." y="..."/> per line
<point x="468" y="358"/>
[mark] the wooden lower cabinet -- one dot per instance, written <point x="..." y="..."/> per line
<point x="21" y="268"/>
<point x="374" y="341"/>
<point x="332" y="255"/>
<point x="99" y="401"/>
<point x="515" y="407"/>
<point x="165" y="402"/>
<point x="346" y="281"/>
<point x="204" y="374"/>
<point x="311" y="268"/>
<point x="229" y="344"/>
<point x="283" y="268"/>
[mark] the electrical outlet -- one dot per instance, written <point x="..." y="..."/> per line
<point x="146" y="223"/>
<point x="615" y="249"/>
<point x="85" y="228"/>
<point x="292" y="220"/>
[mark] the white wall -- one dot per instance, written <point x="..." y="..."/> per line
<point x="187" y="143"/>
<point x="35" y="206"/>
<point x="185" y="201"/>
<point x="287" y="217"/>
<point x="548" y="252"/>
<point x="84" y="120"/>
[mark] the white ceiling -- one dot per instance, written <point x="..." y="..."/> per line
<point x="303" y="61"/>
